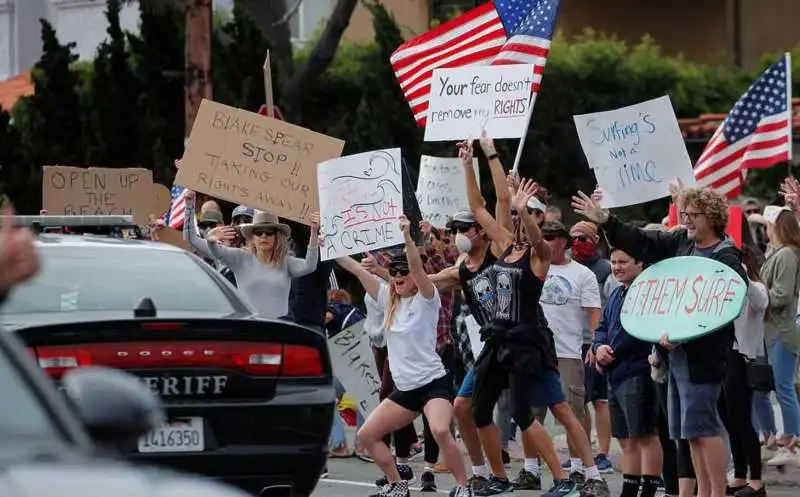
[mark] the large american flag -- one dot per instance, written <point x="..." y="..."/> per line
<point x="176" y="214"/>
<point x="500" y="32"/>
<point x="756" y="134"/>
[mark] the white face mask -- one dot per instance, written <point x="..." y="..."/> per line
<point x="463" y="243"/>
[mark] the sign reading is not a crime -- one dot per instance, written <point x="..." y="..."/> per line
<point x="683" y="298"/>
<point x="253" y="160"/>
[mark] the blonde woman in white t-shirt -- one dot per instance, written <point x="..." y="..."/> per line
<point x="411" y="304"/>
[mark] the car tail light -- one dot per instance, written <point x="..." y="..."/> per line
<point x="261" y="359"/>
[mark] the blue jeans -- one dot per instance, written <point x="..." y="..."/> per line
<point x="763" y="414"/>
<point x="338" y="435"/>
<point x="784" y="365"/>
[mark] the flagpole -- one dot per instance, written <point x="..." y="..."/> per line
<point x="788" y="56"/>
<point x="521" y="145"/>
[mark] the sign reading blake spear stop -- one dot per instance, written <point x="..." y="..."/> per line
<point x="683" y="298"/>
<point x="635" y="151"/>
<point x="466" y="100"/>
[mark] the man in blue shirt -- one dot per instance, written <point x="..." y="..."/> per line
<point x="632" y="394"/>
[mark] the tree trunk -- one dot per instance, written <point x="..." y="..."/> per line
<point x="199" y="15"/>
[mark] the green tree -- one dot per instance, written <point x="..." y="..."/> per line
<point x="111" y="127"/>
<point x="49" y="121"/>
<point x="157" y="54"/>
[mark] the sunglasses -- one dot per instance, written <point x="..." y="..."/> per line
<point x="462" y="228"/>
<point x="550" y="238"/>
<point x="582" y="237"/>
<point x="398" y="271"/>
<point x="264" y="231"/>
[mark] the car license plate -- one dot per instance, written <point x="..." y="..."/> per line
<point x="180" y="435"/>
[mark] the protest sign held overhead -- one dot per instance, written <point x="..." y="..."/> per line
<point x="635" y="151"/>
<point x="361" y="199"/>
<point x="442" y="188"/>
<point x="411" y="206"/>
<point x="683" y="298"/>
<point x="245" y="158"/>
<point x="98" y="191"/>
<point x="354" y="364"/>
<point x="464" y="101"/>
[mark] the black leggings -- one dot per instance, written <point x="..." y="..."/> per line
<point x="491" y="379"/>
<point x="431" y="447"/>
<point x="735" y="408"/>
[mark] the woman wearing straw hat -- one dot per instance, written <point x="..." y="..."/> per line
<point x="263" y="268"/>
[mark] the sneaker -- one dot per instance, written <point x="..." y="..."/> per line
<point x="427" y="481"/>
<point x="461" y="492"/>
<point x="566" y="464"/>
<point x="603" y="464"/>
<point x="364" y="456"/>
<point x="495" y="486"/>
<point x="477" y="482"/>
<point x="526" y="480"/>
<point x="506" y="457"/>
<point x="324" y="473"/>
<point x="729" y="490"/>
<point x="577" y="477"/>
<point x="397" y="489"/>
<point x="406" y="475"/>
<point x="563" y="488"/>
<point x="595" y="488"/>
<point x="749" y="491"/>
<point x="783" y="457"/>
<point x="415" y="451"/>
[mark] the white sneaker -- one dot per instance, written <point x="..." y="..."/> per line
<point x="783" y="457"/>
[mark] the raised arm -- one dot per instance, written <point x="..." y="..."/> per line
<point x="501" y="237"/>
<point x="301" y="267"/>
<point x="502" y="210"/>
<point x="415" y="267"/>
<point x="540" y="255"/>
<point x="210" y="247"/>
<point x="370" y="283"/>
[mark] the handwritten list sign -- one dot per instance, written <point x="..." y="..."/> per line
<point x="635" y="151"/>
<point x="98" y="191"/>
<point x="442" y="188"/>
<point x="466" y="100"/>
<point x="254" y="160"/>
<point x="361" y="197"/>
<point x="354" y="365"/>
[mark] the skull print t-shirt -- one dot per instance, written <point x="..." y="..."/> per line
<point x="517" y="290"/>
<point x="479" y="288"/>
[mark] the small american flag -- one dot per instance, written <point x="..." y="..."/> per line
<point x="176" y="214"/>
<point x="501" y="32"/>
<point x="756" y="134"/>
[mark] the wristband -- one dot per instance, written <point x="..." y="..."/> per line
<point x="492" y="156"/>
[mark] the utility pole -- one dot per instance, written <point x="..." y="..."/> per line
<point x="199" y="25"/>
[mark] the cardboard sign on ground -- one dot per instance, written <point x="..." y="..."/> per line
<point x="253" y="160"/>
<point x="98" y="191"/>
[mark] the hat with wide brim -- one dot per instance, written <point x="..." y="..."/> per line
<point x="265" y="220"/>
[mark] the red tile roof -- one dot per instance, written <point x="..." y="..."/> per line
<point x="704" y="125"/>
<point x="15" y="88"/>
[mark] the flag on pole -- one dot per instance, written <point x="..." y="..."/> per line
<point x="496" y="33"/>
<point x="176" y="214"/>
<point x="757" y="133"/>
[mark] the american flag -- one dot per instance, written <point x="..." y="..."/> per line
<point x="501" y="32"/>
<point x="756" y="134"/>
<point x="177" y="208"/>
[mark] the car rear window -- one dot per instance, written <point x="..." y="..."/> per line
<point x="86" y="279"/>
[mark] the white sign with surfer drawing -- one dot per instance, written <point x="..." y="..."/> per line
<point x="635" y="151"/>
<point x="361" y="199"/>
<point x="464" y="101"/>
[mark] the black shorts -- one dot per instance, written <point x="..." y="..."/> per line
<point x="595" y="384"/>
<point x="415" y="400"/>
<point x="633" y="407"/>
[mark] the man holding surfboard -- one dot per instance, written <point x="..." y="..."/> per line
<point x="697" y="365"/>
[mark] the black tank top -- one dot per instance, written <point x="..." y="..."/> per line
<point x="517" y="290"/>
<point x="478" y="288"/>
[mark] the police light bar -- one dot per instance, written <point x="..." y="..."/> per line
<point x="48" y="221"/>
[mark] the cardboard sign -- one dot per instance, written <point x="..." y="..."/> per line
<point x="684" y="298"/>
<point x="98" y="191"/>
<point x="442" y="188"/>
<point x="635" y="152"/>
<point x="466" y="100"/>
<point x="172" y="237"/>
<point x="354" y="365"/>
<point x="411" y="206"/>
<point x="361" y="199"/>
<point x="248" y="159"/>
<point x="161" y="199"/>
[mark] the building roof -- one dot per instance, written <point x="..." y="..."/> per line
<point x="704" y="125"/>
<point x="15" y="88"/>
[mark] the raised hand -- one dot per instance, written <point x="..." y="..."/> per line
<point x="405" y="226"/>
<point x="675" y="189"/>
<point x="512" y="180"/>
<point x="221" y="234"/>
<point x="426" y="227"/>
<point x="18" y="258"/>
<point x="465" y="152"/>
<point x="790" y="191"/>
<point x="369" y="263"/>
<point x="527" y="189"/>
<point x="189" y="194"/>
<point x="589" y="207"/>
